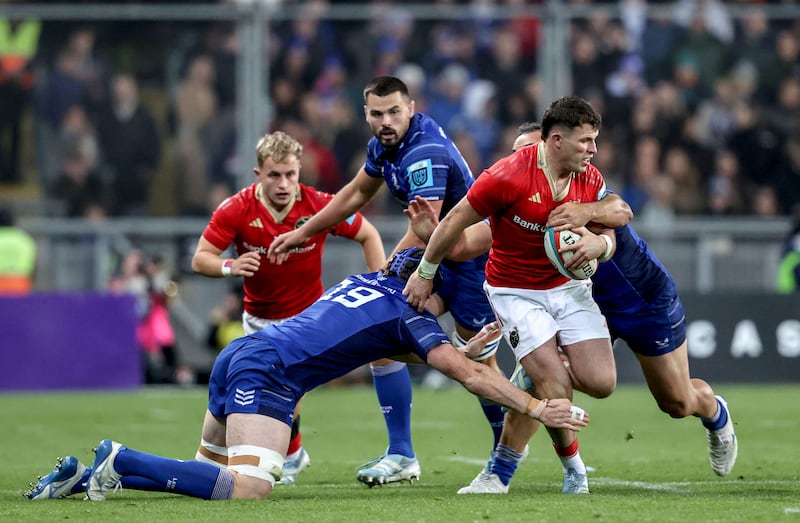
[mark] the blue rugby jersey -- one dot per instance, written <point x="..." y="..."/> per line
<point x="632" y="278"/>
<point x="425" y="163"/>
<point x="363" y="318"/>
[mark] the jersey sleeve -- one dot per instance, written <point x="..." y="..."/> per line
<point x="426" y="169"/>
<point x="221" y="229"/>
<point x="371" y="165"/>
<point x="350" y="227"/>
<point x="492" y="190"/>
<point x="423" y="332"/>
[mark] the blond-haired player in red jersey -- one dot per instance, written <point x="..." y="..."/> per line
<point x="540" y="309"/>
<point x="250" y="219"/>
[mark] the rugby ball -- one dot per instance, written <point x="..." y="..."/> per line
<point x="553" y="241"/>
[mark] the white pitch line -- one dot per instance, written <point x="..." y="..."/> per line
<point x="644" y="485"/>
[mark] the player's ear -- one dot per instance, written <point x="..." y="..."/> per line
<point x="411" y="107"/>
<point x="256" y="171"/>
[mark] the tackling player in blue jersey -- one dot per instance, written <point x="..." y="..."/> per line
<point x="258" y="379"/>
<point x="640" y="301"/>
<point x="413" y="156"/>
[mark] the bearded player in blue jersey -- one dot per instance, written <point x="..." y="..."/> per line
<point x="640" y="302"/>
<point x="413" y="156"/>
<point x="258" y="379"/>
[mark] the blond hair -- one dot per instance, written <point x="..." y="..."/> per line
<point x="278" y="146"/>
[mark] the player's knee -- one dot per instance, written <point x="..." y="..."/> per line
<point x="675" y="407"/>
<point x="256" y="470"/>
<point x="248" y="487"/>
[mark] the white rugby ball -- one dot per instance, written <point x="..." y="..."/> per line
<point x="553" y="241"/>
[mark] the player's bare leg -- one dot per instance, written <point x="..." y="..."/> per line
<point x="591" y="367"/>
<point x="546" y="369"/>
<point x="679" y="395"/>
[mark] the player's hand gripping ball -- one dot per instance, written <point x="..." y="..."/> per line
<point x="553" y="241"/>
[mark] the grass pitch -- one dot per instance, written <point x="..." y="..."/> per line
<point x="645" y="466"/>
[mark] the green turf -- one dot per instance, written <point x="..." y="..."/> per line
<point x="647" y="467"/>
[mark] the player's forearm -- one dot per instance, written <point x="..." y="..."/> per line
<point x="612" y="211"/>
<point x="476" y="240"/>
<point x="486" y="383"/>
<point x="208" y="264"/>
<point x="344" y="204"/>
<point x="446" y="236"/>
<point x="374" y="254"/>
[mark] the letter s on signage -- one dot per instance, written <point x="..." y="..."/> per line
<point x="788" y="335"/>
<point x="701" y="335"/>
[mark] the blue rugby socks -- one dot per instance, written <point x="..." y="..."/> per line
<point x="393" y="388"/>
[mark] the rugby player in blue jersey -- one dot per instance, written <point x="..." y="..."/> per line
<point x="258" y="379"/>
<point x="413" y="156"/>
<point x="640" y="301"/>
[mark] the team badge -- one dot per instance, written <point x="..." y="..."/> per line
<point x="513" y="338"/>
<point x="301" y="221"/>
<point x="420" y="174"/>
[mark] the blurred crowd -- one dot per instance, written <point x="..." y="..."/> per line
<point x="701" y="108"/>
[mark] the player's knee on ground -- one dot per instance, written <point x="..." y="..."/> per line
<point x="212" y="454"/>
<point x="255" y="470"/>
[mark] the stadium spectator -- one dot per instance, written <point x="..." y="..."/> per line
<point x="691" y="198"/>
<point x="194" y="148"/>
<point x="478" y="119"/>
<point x="92" y="71"/>
<point x="447" y="95"/>
<point x="788" y="278"/>
<point x="225" y="320"/>
<point x="79" y="188"/>
<point x="786" y="179"/>
<point x="411" y="154"/>
<point x="17" y="256"/>
<point x="145" y="279"/>
<point x="503" y="63"/>
<point x="244" y="440"/>
<point x="726" y="189"/>
<point x="130" y="146"/>
<point x="522" y="284"/>
<point x="754" y="38"/>
<point x="783" y="62"/>
<point x="277" y="202"/>
<point x="61" y="90"/>
<point x="19" y="42"/>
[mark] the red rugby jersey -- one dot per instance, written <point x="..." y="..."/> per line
<point x="516" y="193"/>
<point x="276" y="291"/>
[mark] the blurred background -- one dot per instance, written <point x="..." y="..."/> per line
<point x="124" y="124"/>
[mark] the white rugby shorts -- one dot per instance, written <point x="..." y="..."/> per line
<point x="253" y="324"/>
<point x="531" y="317"/>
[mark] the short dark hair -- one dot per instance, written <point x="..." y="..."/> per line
<point x="384" y="86"/>
<point x="570" y="112"/>
<point x="529" y="127"/>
